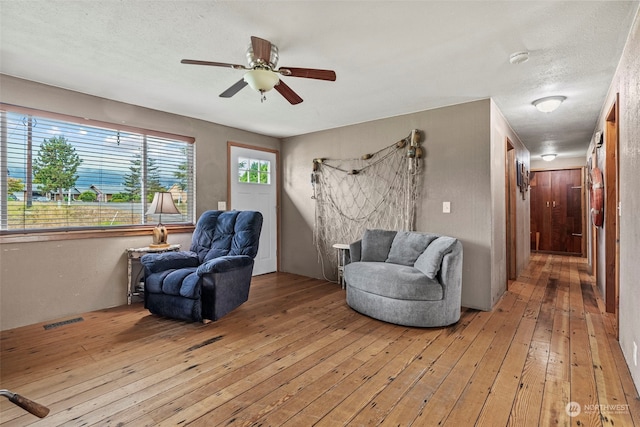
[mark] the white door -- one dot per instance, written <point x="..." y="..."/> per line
<point x="252" y="174"/>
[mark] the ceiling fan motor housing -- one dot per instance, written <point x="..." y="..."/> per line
<point x="257" y="63"/>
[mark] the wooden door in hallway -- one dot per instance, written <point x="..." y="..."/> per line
<point x="556" y="211"/>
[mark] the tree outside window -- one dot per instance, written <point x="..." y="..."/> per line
<point x="56" y="166"/>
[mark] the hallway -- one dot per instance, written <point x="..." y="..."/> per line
<point x="573" y="346"/>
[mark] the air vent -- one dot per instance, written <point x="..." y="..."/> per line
<point x="64" y="322"/>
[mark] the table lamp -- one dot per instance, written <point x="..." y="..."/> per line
<point x="162" y="204"/>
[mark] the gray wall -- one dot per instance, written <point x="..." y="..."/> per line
<point x="626" y="83"/>
<point x="463" y="164"/>
<point x="500" y="131"/>
<point x="40" y="281"/>
<point x="559" y="163"/>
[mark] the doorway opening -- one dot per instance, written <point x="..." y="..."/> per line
<point x="510" y="202"/>
<point x="611" y="223"/>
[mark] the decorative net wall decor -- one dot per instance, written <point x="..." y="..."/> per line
<point x="377" y="190"/>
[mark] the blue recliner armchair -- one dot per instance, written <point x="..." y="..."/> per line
<point x="210" y="279"/>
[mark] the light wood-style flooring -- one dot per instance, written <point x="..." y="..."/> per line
<point x="296" y="355"/>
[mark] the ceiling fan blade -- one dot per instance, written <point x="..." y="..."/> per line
<point x="261" y="49"/>
<point x="234" y="89"/>
<point x="288" y="93"/>
<point x="308" y="73"/>
<point x="213" y="64"/>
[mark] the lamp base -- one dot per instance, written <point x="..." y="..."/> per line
<point x="159" y="237"/>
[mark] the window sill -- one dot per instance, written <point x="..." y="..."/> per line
<point x="47" y="236"/>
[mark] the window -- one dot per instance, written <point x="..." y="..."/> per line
<point x="60" y="172"/>
<point x="254" y="171"/>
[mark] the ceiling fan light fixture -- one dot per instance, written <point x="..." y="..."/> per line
<point x="548" y="157"/>
<point x="261" y="80"/>
<point x="548" y="104"/>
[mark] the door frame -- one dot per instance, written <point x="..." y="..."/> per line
<point x="611" y="220"/>
<point x="277" y="176"/>
<point x="594" y="228"/>
<point x="510" y="212"/>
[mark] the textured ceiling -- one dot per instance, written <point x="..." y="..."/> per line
<point x="391" y="58"/>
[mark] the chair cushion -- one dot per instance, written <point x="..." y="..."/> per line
<point x="376" y="245"/>
<point x="190" y="287"/>
<point x="247" y="234"/>
<point x="155" y="262"/>
<point x="182" y="282"/>
<point x="204" y="233"/>
<point x="224" y="264"/>
<point x="407" y="246"/>
<point x="220" y="233"/>
<point x="431" y="259"/>
<point x="392" y="281"/>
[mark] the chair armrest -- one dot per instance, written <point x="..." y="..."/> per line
<point x="451" y="273"/>
<point x="154" y="263"/>
<point x="355" y="251"/>
<point x="224" y="263"/>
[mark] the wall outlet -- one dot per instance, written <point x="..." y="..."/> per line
<point x="222" y="206"/>
<point x="635" y="354"/>
<point x="446" y="207"/>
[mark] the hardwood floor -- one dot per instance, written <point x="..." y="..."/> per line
<point x="296" y="355"/>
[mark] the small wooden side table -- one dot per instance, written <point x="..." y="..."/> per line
<point x="134" y="255"/>
<point x="342" y="248"/>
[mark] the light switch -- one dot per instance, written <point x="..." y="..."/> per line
<point x="222" y="206"/>
<point x="446" y="207"/>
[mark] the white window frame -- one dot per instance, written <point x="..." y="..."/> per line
<point x="248" y="170"/>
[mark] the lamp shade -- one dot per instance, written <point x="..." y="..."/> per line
<point x="261" y="80"/>
<point x="162" y="204"/>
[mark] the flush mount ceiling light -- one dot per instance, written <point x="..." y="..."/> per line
<point x="519" y="57"/>
<point x="548" y="157"/>
<point x="548" y="104"/>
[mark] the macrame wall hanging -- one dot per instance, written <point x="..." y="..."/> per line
<point x="377" y="190"/>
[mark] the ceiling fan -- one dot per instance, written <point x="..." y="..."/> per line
<point x="262" y="74"/>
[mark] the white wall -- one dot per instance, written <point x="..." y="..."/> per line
<point x="626" y="83"/>
<point x="462" y="165"/>
<point x="41" y="281"/>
